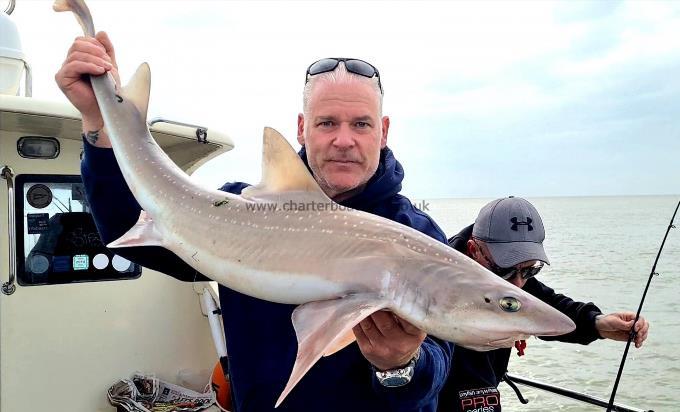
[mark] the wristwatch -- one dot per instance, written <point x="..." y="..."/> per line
<point x="394" y="378"/>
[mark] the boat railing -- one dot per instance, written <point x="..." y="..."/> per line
<point x="9" y="287"/>
<point x="201" y="131"/>
<point x="28" y="80"/>
<point x="10" y="7"/>
<point x="511" y="380"/>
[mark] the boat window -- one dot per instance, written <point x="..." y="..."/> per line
<point x="57" y="241"/>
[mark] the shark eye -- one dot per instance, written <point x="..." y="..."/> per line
<point x="509" y="304"/>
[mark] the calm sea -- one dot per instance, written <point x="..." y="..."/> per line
<point x="602" y="250"/>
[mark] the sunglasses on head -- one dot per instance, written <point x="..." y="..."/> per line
<point x="509" y="273"/>
<point x="355" y="66"/>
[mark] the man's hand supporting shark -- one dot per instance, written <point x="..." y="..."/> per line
<point x="387" y="341"/>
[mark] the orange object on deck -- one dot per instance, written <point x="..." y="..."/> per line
<point x="221" y="386"/>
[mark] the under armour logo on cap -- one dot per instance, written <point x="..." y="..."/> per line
<point x="516" y="223"/>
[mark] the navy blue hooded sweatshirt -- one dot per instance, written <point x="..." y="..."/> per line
<point x="261" y="342"/>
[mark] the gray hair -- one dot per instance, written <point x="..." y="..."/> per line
<point x="339" y="75"/>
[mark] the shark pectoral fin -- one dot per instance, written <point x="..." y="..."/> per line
<point x="282" y="170"/>
<point x="138" y="88"/>
<point x="143" y="233"/>
<point x="340" y="342"/>
<point x="323" y="325"/>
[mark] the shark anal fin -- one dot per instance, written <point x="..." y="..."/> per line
<point x="321" y="327"/>
<point x="143" y="233"/>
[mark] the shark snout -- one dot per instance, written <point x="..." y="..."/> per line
<point x="544" y="320"/>
<point x="558" y="324"/>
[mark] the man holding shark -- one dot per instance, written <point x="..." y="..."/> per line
<point x="343" y="134"/>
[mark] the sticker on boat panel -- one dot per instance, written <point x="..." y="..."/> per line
<point x="81" y="262"/>
<point x="101" y="261"/>
<point x="121" y="264"/>
<point x="39" y="196"/>
<point x="38" y="264"/>
<point x="61" y="264"/>
<point x="77" y="191"/>
<point x="480" y="400"/>
<point x="37" y="223"/>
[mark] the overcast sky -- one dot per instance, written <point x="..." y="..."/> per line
<point x="486" y="98"/>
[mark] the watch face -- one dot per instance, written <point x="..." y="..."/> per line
<point x="395" y="380"/>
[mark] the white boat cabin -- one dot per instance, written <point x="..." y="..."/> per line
<point x="74" y="316"/>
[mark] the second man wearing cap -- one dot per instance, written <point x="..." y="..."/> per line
<point x="507" y="238"/>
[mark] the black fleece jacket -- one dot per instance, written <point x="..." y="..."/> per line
<point x="474" y="376"/>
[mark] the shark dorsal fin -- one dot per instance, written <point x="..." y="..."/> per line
<point x="137" y="89"/>
<point x="283" y="170"/>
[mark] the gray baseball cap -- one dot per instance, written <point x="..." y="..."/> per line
<point x="513" y="230"/>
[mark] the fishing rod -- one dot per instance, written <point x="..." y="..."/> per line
<point x="632" y="334"/>
<point x="511" y="380"/>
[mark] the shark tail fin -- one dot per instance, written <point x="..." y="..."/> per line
<point x="143" y="233"/>
<point x="80" y="10"/>
<point x="61" y="5"/>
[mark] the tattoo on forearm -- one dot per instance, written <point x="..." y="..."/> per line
<point x="91" y="136"/>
